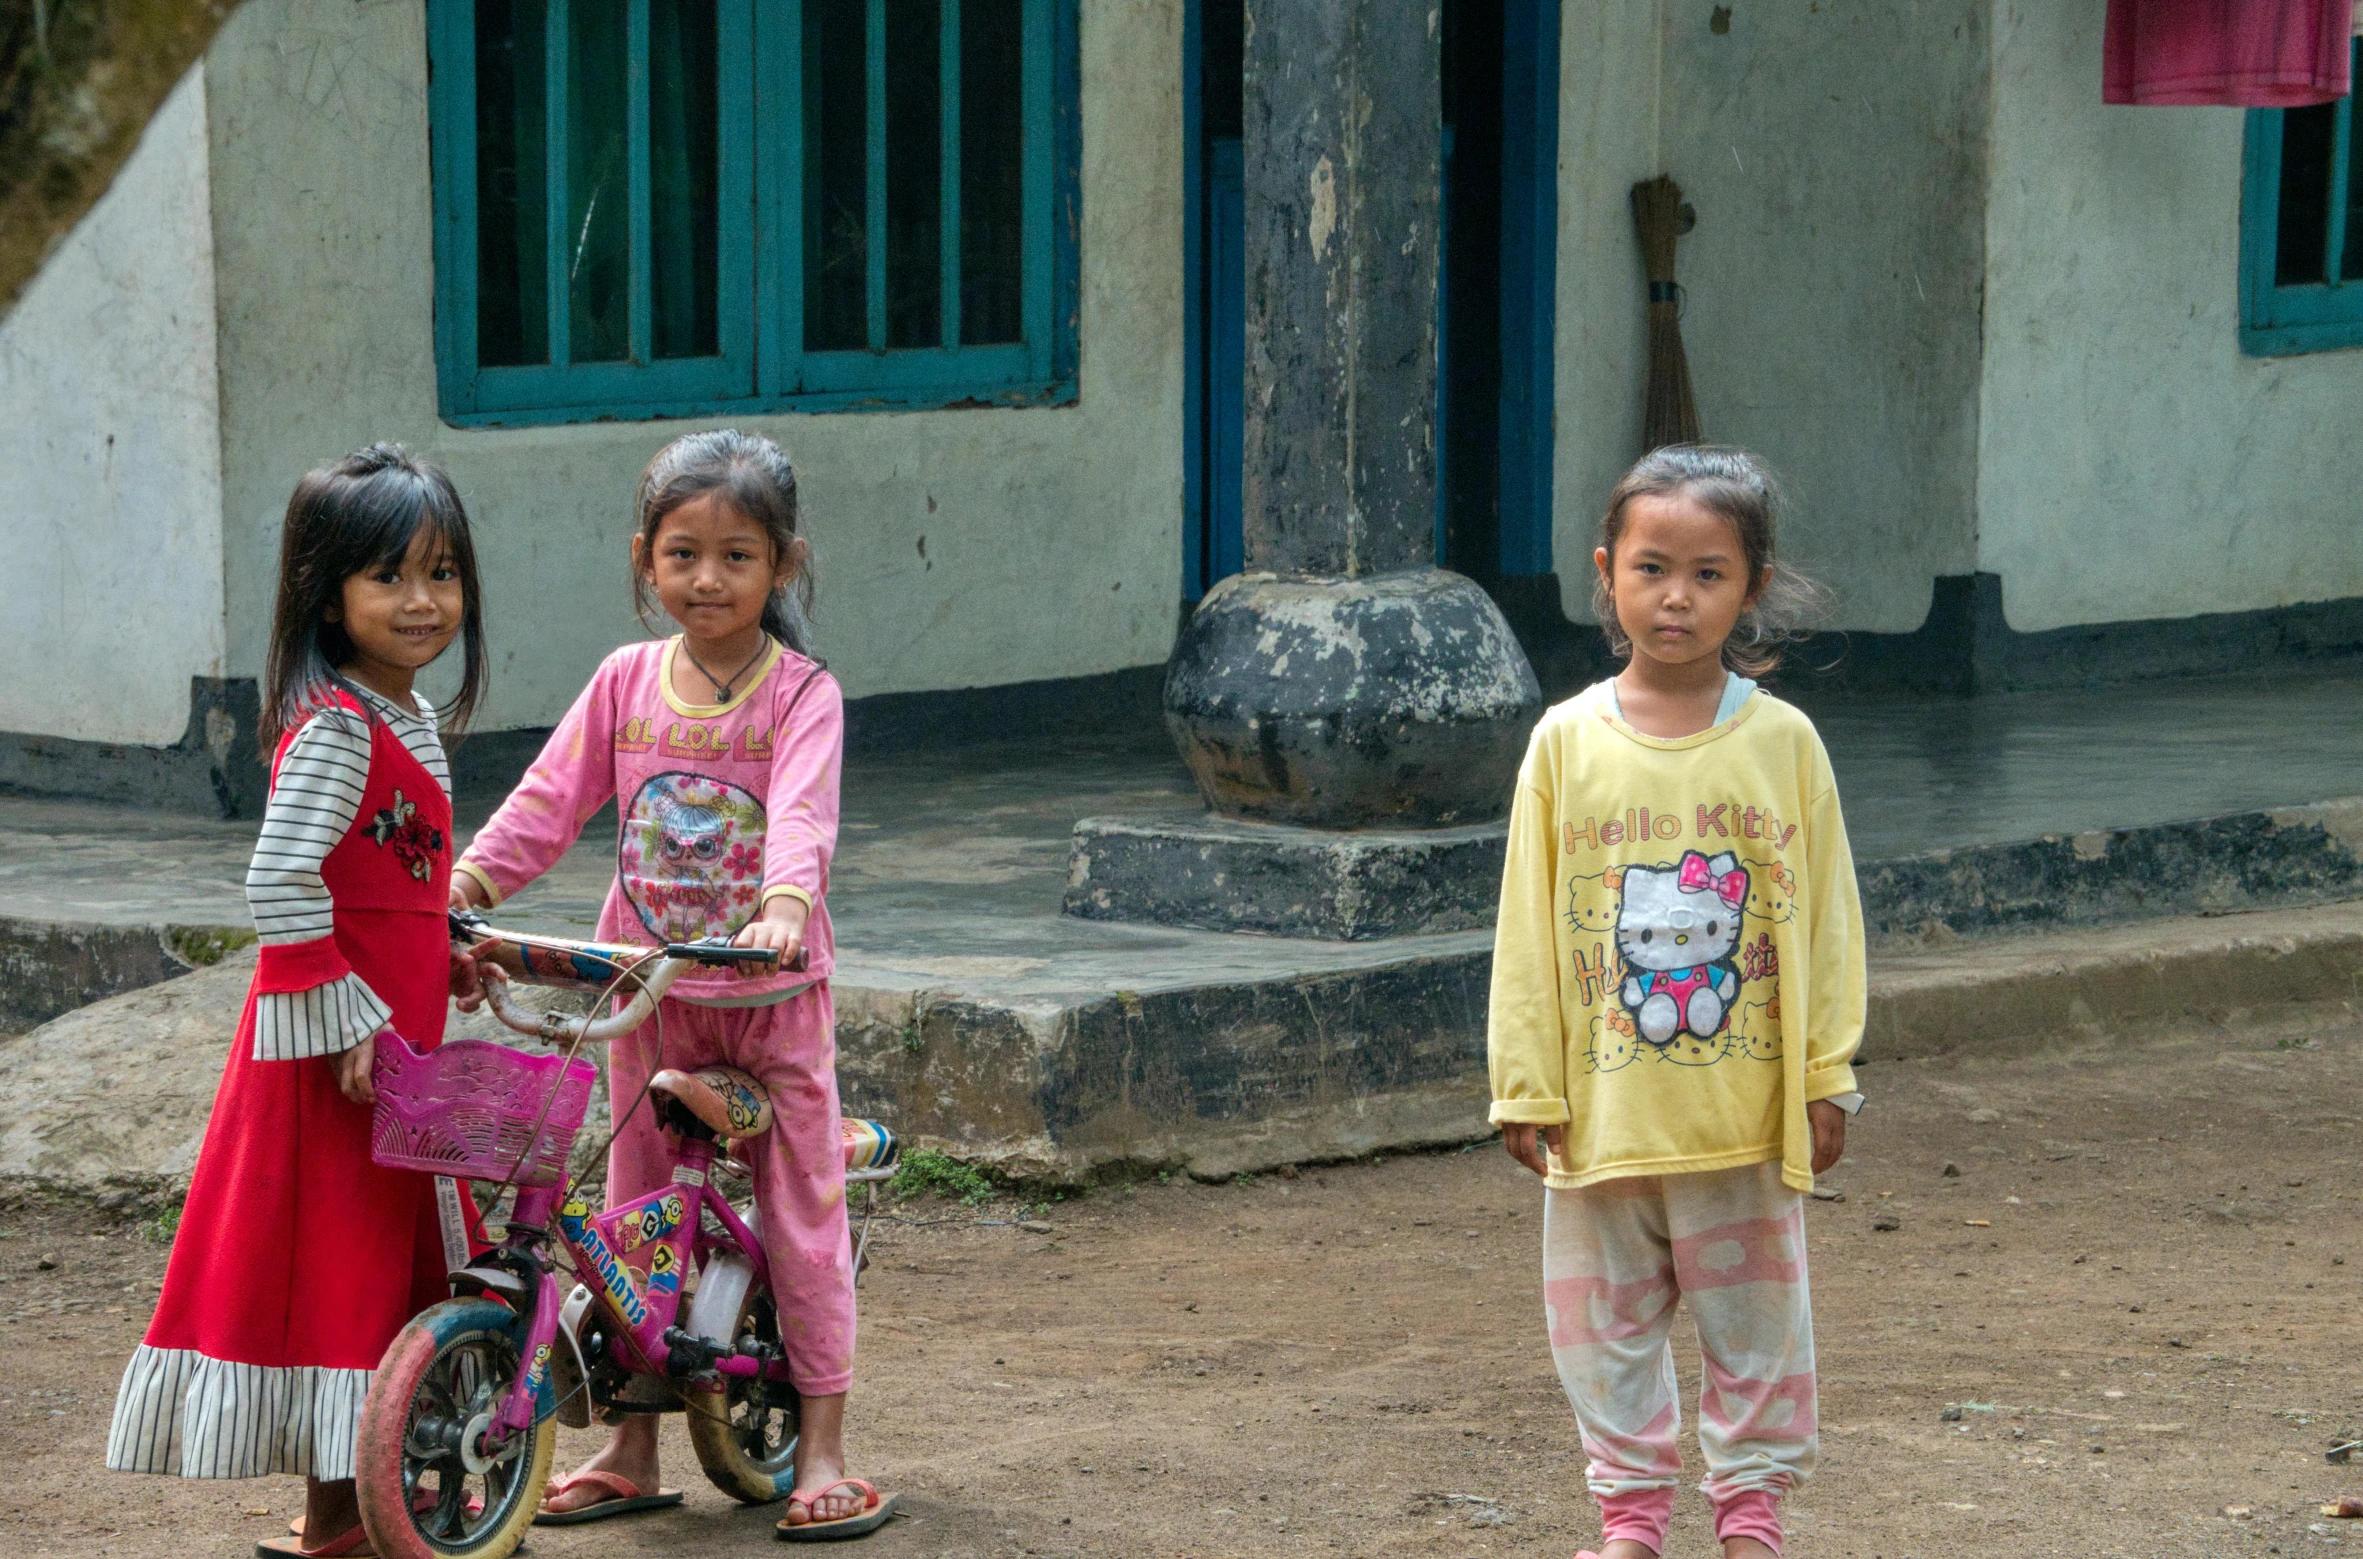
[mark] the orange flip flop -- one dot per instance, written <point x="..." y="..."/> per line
<point x="625" y="1498"/>
<point x="876" y="1511"/>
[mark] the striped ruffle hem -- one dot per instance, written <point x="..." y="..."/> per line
<point x="181" y="1412"/>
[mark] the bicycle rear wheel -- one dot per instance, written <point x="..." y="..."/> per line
<point x="744" y="1434"/>
<point x="427" y="1488"/>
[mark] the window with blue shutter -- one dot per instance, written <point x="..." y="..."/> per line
<point x="650" y="208"/>
<point x="2301" y="231"/>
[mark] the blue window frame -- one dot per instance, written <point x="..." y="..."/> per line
<point x="2301" y="231"/>
<point x="656" y="208"/>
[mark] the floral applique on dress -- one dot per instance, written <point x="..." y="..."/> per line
<point x="416" y="843"/>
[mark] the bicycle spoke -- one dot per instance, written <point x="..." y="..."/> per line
<point x="449" y="1518"/>
<point x="457" y="1389"/>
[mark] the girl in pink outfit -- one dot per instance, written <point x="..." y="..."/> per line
<point x="720" y="747"/>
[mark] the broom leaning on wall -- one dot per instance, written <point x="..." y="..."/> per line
<point x="1669" y="412"/>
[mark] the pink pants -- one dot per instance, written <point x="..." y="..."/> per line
<point x="1616" y="1258"/>
<point x="799" y="1164"/>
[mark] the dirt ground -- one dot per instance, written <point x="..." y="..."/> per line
<point x="2139" y="1291"/>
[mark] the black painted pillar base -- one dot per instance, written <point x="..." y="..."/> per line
<point x="1391" y="699"/>
<point x="1355" y="740"/>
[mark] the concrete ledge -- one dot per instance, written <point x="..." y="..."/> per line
<point x="1216" y="874"/>
<point x="1224" y="1079"/>
<point x="2246" y="860"/>
<point x="1069" y="1080"/>
<point x="1214" y="1078"/>
<point x="1996" y="996"/>
<point x="48" y="969"/>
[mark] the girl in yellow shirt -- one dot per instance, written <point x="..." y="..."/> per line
<point x="1677" y="998"/>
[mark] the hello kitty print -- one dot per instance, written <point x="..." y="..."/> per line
<point x="1677" y="956"/>
<point x="1677" y="931"/>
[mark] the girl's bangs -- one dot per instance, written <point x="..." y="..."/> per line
<point x="396" y="521"/>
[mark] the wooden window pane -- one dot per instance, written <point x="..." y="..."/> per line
<point x="684" y="113"/>
<point x="914" y="173"/>
<point x="2306" y="135"/>
<point x="836" y="176"/>
<point x="598" y="174"/>
<point x="512" y="184"/>
<point x="992" y="171"/>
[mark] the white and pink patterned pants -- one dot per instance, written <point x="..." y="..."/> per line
<point x="1616" y="1258"/>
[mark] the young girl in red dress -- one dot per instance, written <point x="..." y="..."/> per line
<point x="298" y="1259"/>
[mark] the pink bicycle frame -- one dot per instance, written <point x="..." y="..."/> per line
<point x="634" y="1258"/>
<point x="654" y="1240"/>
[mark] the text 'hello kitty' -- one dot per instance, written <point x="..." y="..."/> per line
<point x="1725" y="820"/>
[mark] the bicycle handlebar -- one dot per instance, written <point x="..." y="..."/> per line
<point x="651" y="970"/>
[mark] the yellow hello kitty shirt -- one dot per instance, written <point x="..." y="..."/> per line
<point x="1678" y="966"/>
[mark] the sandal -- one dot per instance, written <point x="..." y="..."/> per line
<point x="875" y="1513"/>
<point x="422" y="1504"/>
<point x="624" y="1499"/>
<point x="352" y="1543"/>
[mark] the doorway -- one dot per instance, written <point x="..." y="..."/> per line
<point x="1499" y="90"/>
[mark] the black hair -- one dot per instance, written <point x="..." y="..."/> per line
<point x="1738" y="487"/>
<point x="752" y="475"/>
<point x="347" y="517"/>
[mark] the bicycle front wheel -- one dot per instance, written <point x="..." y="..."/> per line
<point x="428" y="1487"/>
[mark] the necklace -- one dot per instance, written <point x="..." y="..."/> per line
<point x="722" y="689"/>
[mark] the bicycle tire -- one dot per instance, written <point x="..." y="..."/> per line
<point x="745" y="1434"/>
<point x="453" y="1363"/>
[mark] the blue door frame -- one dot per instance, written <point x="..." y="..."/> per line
<point x="1214" y="310"/>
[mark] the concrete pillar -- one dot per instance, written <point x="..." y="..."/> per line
<point x="1343" y="157"/>
<point x="1342" y="680"/>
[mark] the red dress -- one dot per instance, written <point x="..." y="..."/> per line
<point x="297" y="1258"/>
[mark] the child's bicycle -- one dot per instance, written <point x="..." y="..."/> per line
<point x="461" y="1419"/>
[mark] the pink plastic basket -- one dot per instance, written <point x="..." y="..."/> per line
<point x="470" y="1108"/>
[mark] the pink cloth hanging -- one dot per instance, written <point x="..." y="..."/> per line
<point x="2237" y="53"/>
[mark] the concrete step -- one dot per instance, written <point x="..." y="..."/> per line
<point x="1230" y="1076"/>
<point x="1067" y="1073"/>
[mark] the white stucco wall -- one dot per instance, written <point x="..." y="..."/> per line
<point x="1835" y="153"/>
<point x="2133" y="464"/>
<point x="111" y="519"/>
<point x="1608" y="104"/>
<point x="1052" y="537"/>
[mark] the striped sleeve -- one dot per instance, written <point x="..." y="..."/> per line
<point x="327" y="1019"/>
<point x="314" y="800"/>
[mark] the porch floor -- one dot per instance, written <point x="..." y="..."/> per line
<point x="950" y="866"/>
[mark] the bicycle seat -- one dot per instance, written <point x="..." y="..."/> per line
<point x="726" y="1100"/>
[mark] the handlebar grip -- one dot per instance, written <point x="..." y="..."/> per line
<point x="719" y="955"/>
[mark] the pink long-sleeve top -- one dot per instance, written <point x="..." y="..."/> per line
<point x="720" y="807"/>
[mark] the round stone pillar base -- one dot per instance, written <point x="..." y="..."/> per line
<point x="1390" y="699"/>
